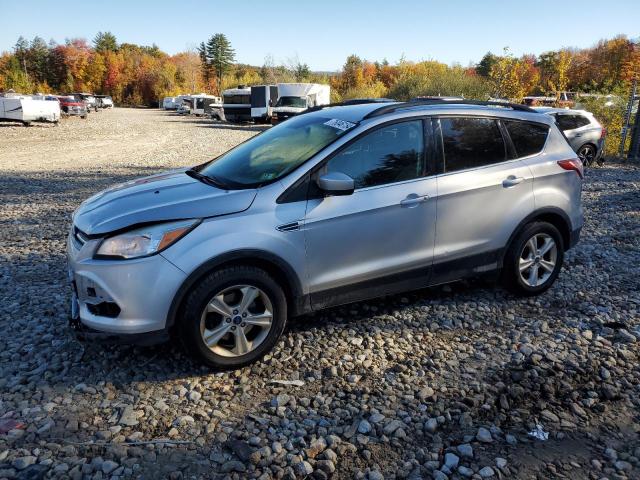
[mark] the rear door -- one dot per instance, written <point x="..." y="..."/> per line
<point x="379" y="239"/>
<point x="483" y="194"/>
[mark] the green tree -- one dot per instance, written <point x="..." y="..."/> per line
<point x="38" y="60"/>
<point x="219" y="56"/>
<point x="105" y="42"/>
<point x="204" y="62"/>
<point x="486" y="64"/>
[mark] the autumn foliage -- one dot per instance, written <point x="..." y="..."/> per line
<point x="140" y="75"/>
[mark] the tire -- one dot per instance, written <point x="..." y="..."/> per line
<point x="546" y="265"/>
<point x="587" y="154"/>
<point x="84" y="117"/>
<point x="219" y="292"/>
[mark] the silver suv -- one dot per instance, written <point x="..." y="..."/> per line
<point x="336" y="205"/>
<point x="583" y="131"/>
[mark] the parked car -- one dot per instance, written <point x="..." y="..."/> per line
<point x="104" y="101"/>
<point x="70" y="105"/>
<point x="88" y="99"/>
<point x="585" y="134"/>
<point x="332" y="206"/>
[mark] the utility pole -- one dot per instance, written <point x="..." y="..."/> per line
<point x="634" y="149"/>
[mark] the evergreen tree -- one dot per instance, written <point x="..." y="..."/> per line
<point x="38" y="59"/>
<point x="204" y="62"/>
<point x="219" y="56"/>
<point x="484" y="67"/>
<point x="105" y="42"/>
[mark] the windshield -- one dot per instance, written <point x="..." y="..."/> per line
<point x="297" y="102"/>
<point x="275" y="152"/>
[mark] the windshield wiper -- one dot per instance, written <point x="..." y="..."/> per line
<point x="212" y="181"/>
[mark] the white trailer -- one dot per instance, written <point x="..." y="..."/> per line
<point x="236" y="104"/>
<point x="294" y="98"/>
<point x="26" y="109"/>
<point x="202" y="103"/>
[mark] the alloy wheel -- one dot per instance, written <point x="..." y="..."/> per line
<point x="236" y="320"/>
<point x="538" y="259"/>
<point x="586" y="154"/>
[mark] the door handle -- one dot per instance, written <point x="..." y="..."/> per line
<point x="512" y="181"/>
<point x="413" y="200"/>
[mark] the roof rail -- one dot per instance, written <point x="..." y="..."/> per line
<point x="357" y="101"/>
<point x="437" y="101"/>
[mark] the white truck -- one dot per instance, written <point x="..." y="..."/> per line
<point x="294" y="98"/>
<point x="27" y="109"/>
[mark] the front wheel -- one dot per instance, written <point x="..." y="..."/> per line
<point x="233" y="317"/>
<point x="534" y="259"/>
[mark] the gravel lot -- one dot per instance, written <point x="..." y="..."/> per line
<point x="440" y="383"/>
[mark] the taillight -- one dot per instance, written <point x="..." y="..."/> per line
<point x="603" y="132"/>
<point x="572" y="164"/>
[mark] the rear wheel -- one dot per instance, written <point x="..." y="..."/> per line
<point x="233" y="317"/>
<point x="587" y="155"/>
<point x="534" y="259"/>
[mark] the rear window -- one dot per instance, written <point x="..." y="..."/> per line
<point x="527" y="138"/>
<point x="471" y="143"/>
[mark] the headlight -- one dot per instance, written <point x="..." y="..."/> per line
<point x="144" y="241"/>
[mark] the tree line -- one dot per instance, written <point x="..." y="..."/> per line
<point x="139" y="75"/>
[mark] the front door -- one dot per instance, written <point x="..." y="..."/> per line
<point x="379" y="239"/>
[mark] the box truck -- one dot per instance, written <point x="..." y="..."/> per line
<point x="294" y="98"/>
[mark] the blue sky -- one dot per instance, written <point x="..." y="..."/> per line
<point x="324" y="32"/>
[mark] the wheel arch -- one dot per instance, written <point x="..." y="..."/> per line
<point x="590" y="143"/>
<point x="554" y="216"/>
<point x="275" y="266"/>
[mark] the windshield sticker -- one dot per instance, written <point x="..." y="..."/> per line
<point x="340" y="124"/>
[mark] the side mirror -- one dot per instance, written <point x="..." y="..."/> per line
<point x="336" y="183"/>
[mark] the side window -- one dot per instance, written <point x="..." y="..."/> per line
<point x="566" y="122"/>
<point x="389" y="154"/>
<point x="471" y="142"/>
<point x="528" y="138"/>
<point x="581" y="121"/>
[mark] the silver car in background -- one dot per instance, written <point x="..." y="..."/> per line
<point x="583" y="131"/>
<point x="335" y="205"/>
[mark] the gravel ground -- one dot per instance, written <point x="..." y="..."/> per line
<point x="441" y="383"/>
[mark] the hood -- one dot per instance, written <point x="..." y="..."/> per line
<point x="288" y="109"/>
<point x="167" y="196"/>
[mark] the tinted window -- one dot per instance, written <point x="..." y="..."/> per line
<point x="570" y="122"/>
<point x="389" y="154"/>
<point x="527" y="138"/>
<point x="237" y="99"/>
<point x="581" y="121"/>
<point x="471" y="142"/>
